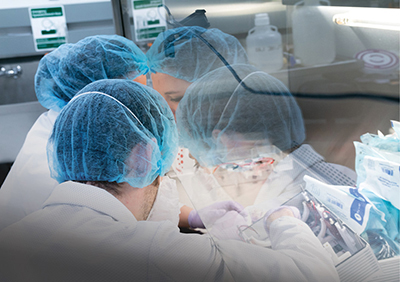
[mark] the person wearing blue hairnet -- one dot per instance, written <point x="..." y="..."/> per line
<point x="176" y="59"/>
<point x="248" y="135"/>
<point x="60" y="75"/>
<point x="108" y="149"/>
<point x="180" y="56"/>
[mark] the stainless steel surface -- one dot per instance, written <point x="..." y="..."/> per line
<point x="355" y="3"/>
<point x="84" y="18"/>
<point x="18" y="104"/>
<point x="234" y="17"/>
<point x="11" y="72"/>
<point x="19" y="90"/>
<point x="117" y="17"/>
<point x="15" y="122"/>
<point x="332" y="124"/>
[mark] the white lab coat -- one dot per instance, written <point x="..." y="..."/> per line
<point x="83" y="233"/>
<point x="28" y="184"/>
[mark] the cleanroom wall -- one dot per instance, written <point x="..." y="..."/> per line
<point x="332" y="124"/>
<point x="19" y="60"/>
<point x="324" y="64"/>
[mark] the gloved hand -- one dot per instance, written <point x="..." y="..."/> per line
<point x="209" y="215"/>
<point x="278" y="212"/>
<point x="227" y="226"/>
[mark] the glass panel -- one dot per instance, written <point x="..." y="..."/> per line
<point x="322" y="75"/>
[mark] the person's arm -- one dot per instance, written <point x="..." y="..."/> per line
<point x="297" y="255"/>
<point x="205" y="217"/>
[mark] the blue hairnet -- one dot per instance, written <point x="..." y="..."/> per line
<point x="180" y="53"/>
<point x="218" y="104"/>
<point x="70" y="67"/>
<point x="113" y="130"/>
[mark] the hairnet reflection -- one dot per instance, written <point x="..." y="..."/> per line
<point x="219" y="120"/>
<point x="180" y="52"/>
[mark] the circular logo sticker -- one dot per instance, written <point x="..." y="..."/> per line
<point x="378" y="59"/>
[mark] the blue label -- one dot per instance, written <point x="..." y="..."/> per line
<point x="335" y="202"/>
<point x="356" y="194"/>
<point x="357" y="211"/>
<point x="387" y="171"/>
<point x="387" y="183"/>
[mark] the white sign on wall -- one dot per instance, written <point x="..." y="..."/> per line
<point x="49" y="27"/>
<point x="149" y="19"/>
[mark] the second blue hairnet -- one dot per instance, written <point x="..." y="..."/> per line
<point x="114" y="130"/>
<point x="219" y="120"/>
<point x="70" y="67"/>
<point x="181" y="53"/>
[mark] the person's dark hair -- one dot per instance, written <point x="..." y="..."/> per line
<point x="113" y="188"/>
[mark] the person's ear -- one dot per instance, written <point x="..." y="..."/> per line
<point x="141" y="79"/>
<point x="140" y="158"/>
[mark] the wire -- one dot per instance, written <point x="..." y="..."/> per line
<point x="349" y="96"/>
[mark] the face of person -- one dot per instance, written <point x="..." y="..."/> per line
<point x="171" y="88"/>
<point x="141" y="79"/>
<point x="238" y="147"/>
<point x="245" y="169"/>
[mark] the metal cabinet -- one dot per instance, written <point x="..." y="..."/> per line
<point x="19" y="60"/>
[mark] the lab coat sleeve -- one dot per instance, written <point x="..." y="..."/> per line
<point x="185" y="257"/>
<point x="297" y="255"/>
<point x="28" y="184"/>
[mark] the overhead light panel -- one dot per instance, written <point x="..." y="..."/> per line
<point x="386" y="19"/>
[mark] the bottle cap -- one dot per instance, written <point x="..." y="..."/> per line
<point x="261" y="19"/>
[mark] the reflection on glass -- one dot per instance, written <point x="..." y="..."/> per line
<point x="243" y="135"/>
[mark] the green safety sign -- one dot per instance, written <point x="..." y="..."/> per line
<point x="47" y="12"/>
<point x="49" y="27"/>
<point x="149" y="18"/>
<point x="146" y="4"/>
<point x="50" y="43"/>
